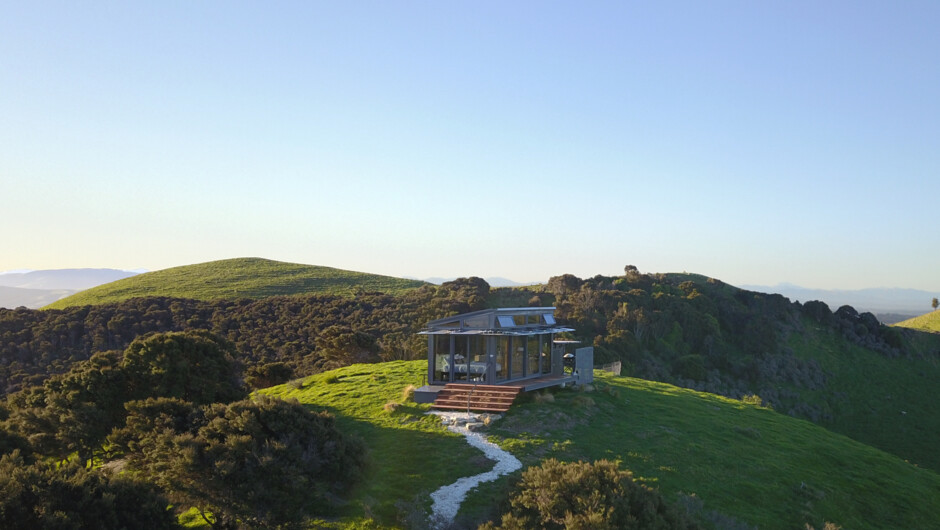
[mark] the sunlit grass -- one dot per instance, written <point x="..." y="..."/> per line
<point x="927" y="322"/>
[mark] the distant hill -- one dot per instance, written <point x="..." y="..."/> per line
<point x="70" y="279"/>
<point x="926" y="322"/>
<point x="890" y="305"/>
<point x="238" y="278"/>
<point x="13" y="297"/>
<point x="35" y="289"/>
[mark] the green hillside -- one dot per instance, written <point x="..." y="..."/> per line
<point x="926" y="322"/>
<point x="731" y="463"/>
<point x="238" y="278"/>
<point x="881" y="401"/>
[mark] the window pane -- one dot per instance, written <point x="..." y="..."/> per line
<point x="518" y="356"/>
<point x="502" y="358"/>
<point x="461" y="368"/>
<point x="533" y="355"/>
<point x="546" y="354"/>
<point x="442" y="366"/>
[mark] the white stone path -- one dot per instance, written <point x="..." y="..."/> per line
<point x="448" y="498"/>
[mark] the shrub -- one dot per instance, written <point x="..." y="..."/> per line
<point x="597" y="495"/>
<point x="330" y="379"/>
<point x="582" y="401"/>
<point x="544" y="397"/>
<point x="754" y="399"/>
<point x="690" y="367"/>
<point x="391" y="406"/>
<point x="269" y="374"/>
<point x="408" y="393"/>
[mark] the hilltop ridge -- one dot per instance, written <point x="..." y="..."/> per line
<point x="238" y="278"/>
<point x="926" y="322"/>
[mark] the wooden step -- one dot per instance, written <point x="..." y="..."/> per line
<point x="463" y="401"/>
<point x="472" y="407"/>
<point x="487" y="398"/>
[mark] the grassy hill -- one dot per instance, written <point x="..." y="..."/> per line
<point x="732" y="463"/>
<point x="881" y="401"/>
<point x="237" y="278"/>
<point x="926" y="322"/>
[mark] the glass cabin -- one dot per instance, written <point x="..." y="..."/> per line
<point x="492" y="346"/>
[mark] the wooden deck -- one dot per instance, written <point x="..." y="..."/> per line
<point x="546" y="381"/>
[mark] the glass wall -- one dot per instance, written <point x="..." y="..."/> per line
<point x="476" y="352"/>
<point x="532" y="354"/>
<point x="442" y="358"/>
<point x="466" y="358"/>
<point x="546" y="341"/>
<point x="461" y="359"/>
<point x="518" y="356"/>
<point x="502" y="357"/>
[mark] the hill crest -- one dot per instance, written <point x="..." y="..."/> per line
<point x="253" y="278"/>
<point x="926" y="322"/>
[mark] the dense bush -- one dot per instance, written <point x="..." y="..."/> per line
<point x="41" y="495"/>
<point x="72" y="413"/>
<point x="581" y="495"/>
<point x="262" y="462"/>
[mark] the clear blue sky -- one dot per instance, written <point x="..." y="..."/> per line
<point x="755" y="142"/>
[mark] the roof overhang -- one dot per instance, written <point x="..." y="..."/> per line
<point x="496" y="332"/>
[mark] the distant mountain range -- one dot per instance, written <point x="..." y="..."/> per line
<point x="36" y="289"/>
<point x="890" y="305"/>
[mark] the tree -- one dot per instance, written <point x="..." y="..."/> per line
<point x="194" y="366"/>
<point x="268" y="374"/>
<point x="935" y="303"/>
<point x="563" y="285"/>
<point x="597" y="495"/>
<point x="342" y="345"/>
<point x="259" y="463"/>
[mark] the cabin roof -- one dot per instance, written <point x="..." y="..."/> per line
<point x="498" y="321"/>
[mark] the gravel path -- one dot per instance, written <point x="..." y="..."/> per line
<point x="448" y="498"/>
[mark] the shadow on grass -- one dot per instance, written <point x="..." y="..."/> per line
<point x="405" y="464"/>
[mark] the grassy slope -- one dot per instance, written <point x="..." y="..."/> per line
<point x="883" y="402"/>
<point x="237" y="278"/>
<point x="926" y="322"/>
<point x="752" y="464"/>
